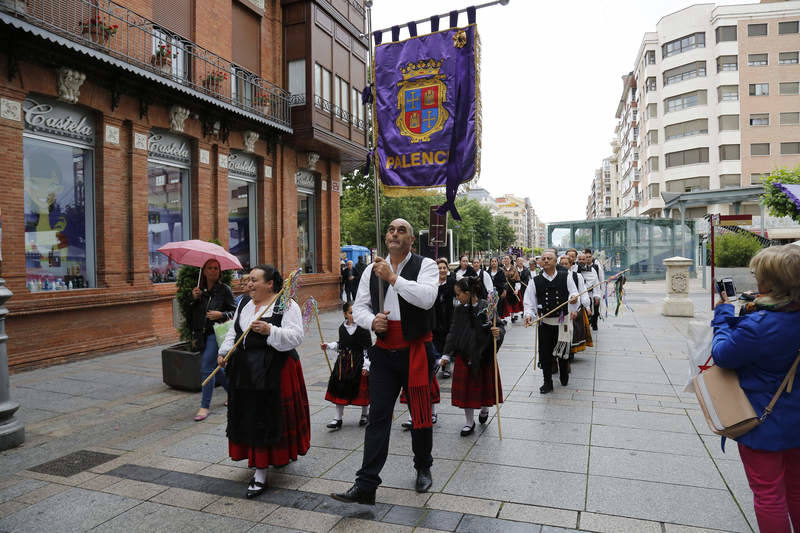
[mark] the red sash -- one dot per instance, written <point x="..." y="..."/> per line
<point x="419" y="385"/>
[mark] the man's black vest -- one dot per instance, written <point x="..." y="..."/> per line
<point x="551" y="294"/>
<point x="414" y="321"/>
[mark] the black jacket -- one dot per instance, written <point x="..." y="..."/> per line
<point x="444" y="312"/>
<point x="218" y="298"/>
<point x="470" y="336"/>
<point x="499" y="280"/>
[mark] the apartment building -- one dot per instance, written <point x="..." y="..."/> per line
<point x="718" y="105"/>
<point x="514" y="209"/>
<point x="126" y="125"/>
<point x="603" y="201"/>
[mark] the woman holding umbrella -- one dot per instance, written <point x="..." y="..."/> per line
<point x="212" y="303"/>
<point x="268" y="414"/>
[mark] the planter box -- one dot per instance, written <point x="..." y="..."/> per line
<point x="180" y="367"/>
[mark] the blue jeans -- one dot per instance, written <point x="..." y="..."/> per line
<point x="208" y="363"/>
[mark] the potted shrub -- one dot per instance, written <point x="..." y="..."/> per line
<point x="180" y="363"/>
<point x="162" y="59"/>
<point x="732" y="254"/>
<point x="97" y="29"/>
<point x="261" y="101"/>
<point x="213" y="81"/>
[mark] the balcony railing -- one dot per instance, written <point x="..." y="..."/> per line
<point x="338" y="112"/>
<point x="117" y="31"/>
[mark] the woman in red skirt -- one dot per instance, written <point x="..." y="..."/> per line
<point x="349" y="381"/>
<point x="268" y="415"/>
<point x="470" y="343"/>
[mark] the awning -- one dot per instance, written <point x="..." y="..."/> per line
<point x="152" y="76"/>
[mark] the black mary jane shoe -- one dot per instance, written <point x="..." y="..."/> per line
<point x="483" y="417"/>
<point x="434" y="418"/>
<point x="407" y="425"/>
<point x="468" y="430"/>
<point x="334" y="424"/>
<point x="356" y="494"/>
<point x="255" y="488"/>
<point x="363" y="420"/>
<point x="424" y="480"/>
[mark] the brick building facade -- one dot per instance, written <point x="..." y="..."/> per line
<point x="124" y="126"/>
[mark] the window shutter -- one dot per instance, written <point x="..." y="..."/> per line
<point x="175" y="15"/>
<point x="246" y="38"/>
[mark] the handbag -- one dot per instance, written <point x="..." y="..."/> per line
<point x="725" y="406"/>
<point x="221" y="330"/>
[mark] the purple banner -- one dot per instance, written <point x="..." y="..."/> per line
<point x="427" y="113"/>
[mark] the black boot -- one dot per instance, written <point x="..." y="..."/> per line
<point x="356" y="494"/>
<point x="547" y="387"/>
<point x="424" y="480"/>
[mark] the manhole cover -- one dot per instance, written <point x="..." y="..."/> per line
<point x="74" y="463"/>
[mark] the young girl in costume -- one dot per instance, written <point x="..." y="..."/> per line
<point x="469" y="342"/>
<point x="349" y="383"/>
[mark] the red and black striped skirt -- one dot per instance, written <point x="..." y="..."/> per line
<point x="474" y="392"/>
<point x="296" y="423"/>
<point x="362" y="399"/>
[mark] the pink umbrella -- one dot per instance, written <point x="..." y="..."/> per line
<point x="196" y="253"/>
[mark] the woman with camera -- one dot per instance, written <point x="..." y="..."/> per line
<point x="762" y="346"/>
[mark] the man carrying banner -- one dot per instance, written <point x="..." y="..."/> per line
<point x="401" y="358"/>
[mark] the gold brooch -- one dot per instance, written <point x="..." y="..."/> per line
<point x="460" y="39"/>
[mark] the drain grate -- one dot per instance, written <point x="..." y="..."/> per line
<point x="74" y="463"/>
<point x="625" y="326"/>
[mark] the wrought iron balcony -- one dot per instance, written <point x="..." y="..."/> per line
<point x="115" y="33"/>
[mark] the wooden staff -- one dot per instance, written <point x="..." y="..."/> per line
<point x="322" y="341"/>
<point x="496" y="373"/>
<point x="579" y="295"/>
<point x="535" y="347"/>
<point x="225" y="360"/>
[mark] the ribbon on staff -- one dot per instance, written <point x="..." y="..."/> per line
<point x="427" y="129"/>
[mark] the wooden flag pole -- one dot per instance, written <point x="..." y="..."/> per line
<point x="496" y="373"/>
<point x="322" y="341"/>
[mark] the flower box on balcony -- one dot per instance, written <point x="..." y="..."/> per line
<point x="98" y="31"/>
<point x="162" y="59"/>
<point x="213" y="81"/>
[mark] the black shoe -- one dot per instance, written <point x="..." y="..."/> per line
<point x="434" y="418"/>
<point x="424" y="480"/>
<point x="363" y="420"/>
<point x="483" y="417"/>
<point x="407" y="425"/>
<point x="255" y="488"/>
<point x="356" y="494"/>
<point x="594" y="327"/>
<point x="513" y="319"/>
<point x="445" y="374"/>
<point x="468" y="430"/>
<point x="334" y="424"/>
<point x="547" y="387"/>
<point x="564" y="377"/>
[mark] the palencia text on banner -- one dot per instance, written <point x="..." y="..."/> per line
<point x="427" y="112"/>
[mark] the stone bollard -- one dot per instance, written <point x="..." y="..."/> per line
<point x="12" y="432"/>
<point x="677" y="302"/>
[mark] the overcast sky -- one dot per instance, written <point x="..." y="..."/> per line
<point x="551" y="80"/>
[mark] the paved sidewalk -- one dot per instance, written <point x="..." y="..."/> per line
<point x="620" y="449"/>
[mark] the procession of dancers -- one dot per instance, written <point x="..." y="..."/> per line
<point x="428" y="324"/>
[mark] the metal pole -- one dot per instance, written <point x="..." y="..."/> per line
<point x="12" y="432"/>
<point x="420" y="21"/>
<point x="683" y="229"/>
<point x="703" y="261"/>
<point x="472" y="246"/>
<point x="713" y="282"/>
<point x="371" y="142"/>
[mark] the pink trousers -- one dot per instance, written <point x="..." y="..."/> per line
<point x="774" y="478"/>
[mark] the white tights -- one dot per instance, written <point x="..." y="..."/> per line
<point x="469" y="414"/>
<point x="340" y="411"/>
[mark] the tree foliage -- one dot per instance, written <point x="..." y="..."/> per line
<point x="476" y="230"/>
<point x="777" y="202"/>
<point x="735" y="249"/>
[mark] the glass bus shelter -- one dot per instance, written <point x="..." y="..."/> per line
<point x="638" y="243"/>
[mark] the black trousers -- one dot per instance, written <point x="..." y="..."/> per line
<point x="595" y="312"/>
<point x="548" y="338"/>
<point x="387" y="374"/>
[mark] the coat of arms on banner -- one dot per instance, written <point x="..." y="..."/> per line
<point x="420" y="100"/>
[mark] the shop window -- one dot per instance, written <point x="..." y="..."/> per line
<point x="306" y="221"/>
<point x="242" y="210"/>
<point x="59" y="215"/>
<point x="168" y="201"/>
